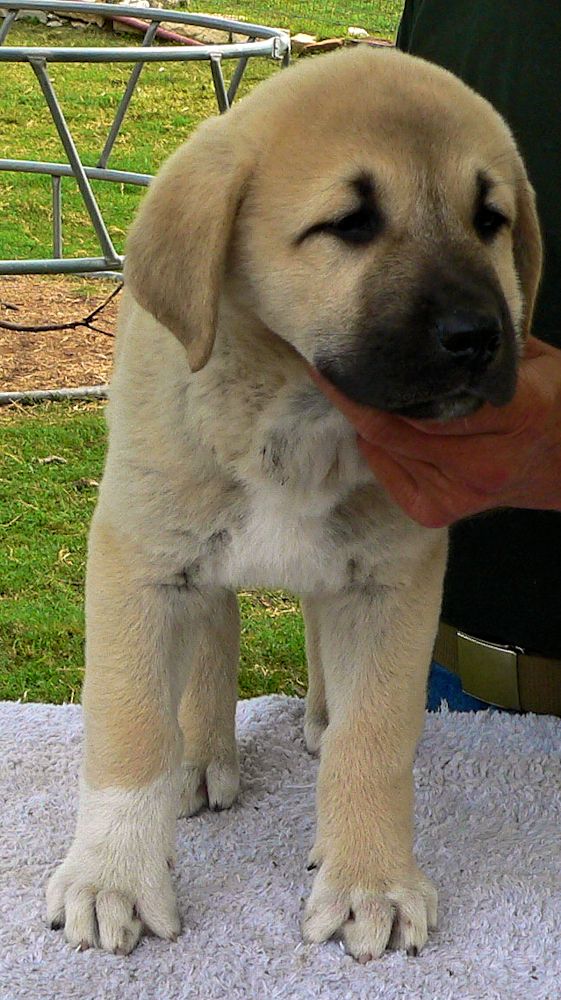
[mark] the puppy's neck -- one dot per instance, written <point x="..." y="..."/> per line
<point x="241" y="333"/>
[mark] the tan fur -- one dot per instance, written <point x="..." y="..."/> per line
<point x="227" y="469"/>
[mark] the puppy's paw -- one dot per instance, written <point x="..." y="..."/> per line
<point x="105" y="902"/>
<point x="215" y="784"/>
<point x="116" y="877"/>
<point x="397" y="912"/>
<point x="315" y="724"/>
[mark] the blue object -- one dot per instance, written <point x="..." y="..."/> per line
<point x="445" y="686"/>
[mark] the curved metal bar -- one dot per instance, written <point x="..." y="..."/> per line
<point x="65" y="170"/>
<point x="7" y="24"/>
<point x="264" y="42"/>
<point x="24" y="53"/>
<point x="125" y="99"/>
<point x="152" y="14"/>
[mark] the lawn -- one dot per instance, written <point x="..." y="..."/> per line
<point x="51" y="456"/>
<point x="170" y="101"/>
<point x="317" y="17"/>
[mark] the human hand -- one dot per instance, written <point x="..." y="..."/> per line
<point x="440" y="472"/>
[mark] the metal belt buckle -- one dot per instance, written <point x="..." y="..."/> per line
<point x="489" y="672"/>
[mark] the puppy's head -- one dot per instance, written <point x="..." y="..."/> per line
<point x="369" y="209"/>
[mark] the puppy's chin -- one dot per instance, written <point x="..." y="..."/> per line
<point x="447" y="408"/>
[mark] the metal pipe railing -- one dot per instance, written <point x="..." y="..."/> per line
<point x="262" y="42"/>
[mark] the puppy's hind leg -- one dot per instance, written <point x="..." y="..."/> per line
<point x="316" y="717"/>
<point x="210" y="771"/>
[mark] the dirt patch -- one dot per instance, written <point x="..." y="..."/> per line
<point x="60" y="358"/>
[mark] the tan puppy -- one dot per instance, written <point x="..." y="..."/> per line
<point x="368" y="214"/>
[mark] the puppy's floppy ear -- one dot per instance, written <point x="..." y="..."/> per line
<point x="527" y="247"/>
<point x="177" y="246"/>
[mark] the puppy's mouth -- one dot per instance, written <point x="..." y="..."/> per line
<point x="459" y="404"/>
<point x="423" y="402"/>
<point x="453" y="351"/>
<point x="429" y="387"/>
<point x="497" y="386"/>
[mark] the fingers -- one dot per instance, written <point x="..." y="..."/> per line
<point x="534" y="348"/>
<point x="396" y="480"/>
<point x="474" y="463"/>
<point x="410" y="437"/>
<point x="423" y="491"/>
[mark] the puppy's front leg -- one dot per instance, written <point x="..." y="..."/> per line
<point x="375" y="649"/>
<point x="116" y="877"/>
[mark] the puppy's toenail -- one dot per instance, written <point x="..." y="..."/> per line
<point x="364" y="959"/>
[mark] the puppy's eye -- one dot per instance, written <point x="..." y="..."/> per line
<point x="357" y="228"/>
<point x="361" y="226"/>
<point x="488" y="221"/>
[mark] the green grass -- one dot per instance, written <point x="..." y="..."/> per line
<point x="323" y="18"/>
<point x="51" y="457"/>
<point x="170" y="101"/>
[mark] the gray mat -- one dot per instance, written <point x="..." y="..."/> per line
<point x="489" y="833"/>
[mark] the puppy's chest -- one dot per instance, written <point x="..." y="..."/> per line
<point x="279" y="545"/>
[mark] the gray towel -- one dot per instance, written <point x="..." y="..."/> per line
<point x="488" y="832"/>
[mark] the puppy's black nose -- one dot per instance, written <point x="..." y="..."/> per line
<point x="470" y="339"/>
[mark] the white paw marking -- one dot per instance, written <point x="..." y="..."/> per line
<point x="399" y="915"/>
<point x="116" y="878"/>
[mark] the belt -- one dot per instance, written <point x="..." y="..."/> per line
<point x="505" y="676"/>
